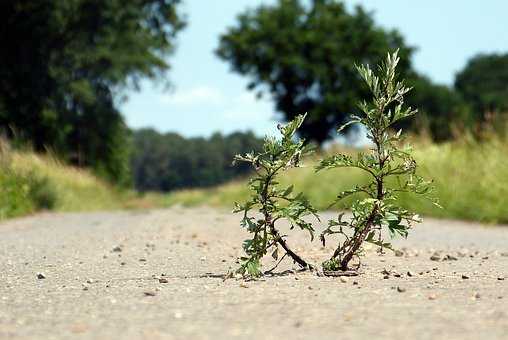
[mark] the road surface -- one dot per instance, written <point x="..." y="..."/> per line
<point x="158" y="275"/>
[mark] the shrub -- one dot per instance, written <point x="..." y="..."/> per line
<point x="273" y="203"/>
<point x="378" y="211"/>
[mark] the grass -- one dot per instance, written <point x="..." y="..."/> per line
<point x="471" y="181"/>
<point x="31" y="182"/>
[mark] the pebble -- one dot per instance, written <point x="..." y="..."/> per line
<point x="89" y="281"/>
<point x="399" y="253"/>
<point x="409" y="273"/>
<point x="149" y="293"/>
<point x="41" y="276"/>
<point x="435" y="257"/>
<point x="401" y="289"/>
<point x="117" y="249"/>
<point x="203" y="258"/>
<point x="343" y="279"/>
<point x="500" y="278"/>
<point x="163" y="280"/>
<point x="465" y="277"/>
<point x="450" y="258"/>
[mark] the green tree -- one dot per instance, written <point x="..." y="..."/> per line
<point x="441" y="109"/>
<point x="483" y="84"/>
<point x="304" y="57"/>
<point x="65" y="63"/>
<point x="165" y="162"/>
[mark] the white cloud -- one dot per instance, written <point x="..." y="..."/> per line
<point x="200" y="95"/>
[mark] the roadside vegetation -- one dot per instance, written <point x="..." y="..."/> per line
<point x="30" y="182"/>
<point x="469" y="179"/>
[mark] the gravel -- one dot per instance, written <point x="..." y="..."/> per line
<point x="179" y="291"/>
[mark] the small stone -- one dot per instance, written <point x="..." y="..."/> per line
<point x="485" y="258"/>
<point x="149" y="293"/>
<point x="142" y="260"/>
<point x="450" y="258"/>
<point x="465" y="277"/>
<point x="117" y="249"/>
<point x="432" y="297"/>
<point x="386" y="277"/>
<point x="244" y="285"/>
<point x="310" y="288"/>
<point x="203" y="258"/>
<point x="41" y="276"/>
<point x="399" y="253"/>
<point x="89" y="281"/>
<point x="410" y="274"/>
<point x="500" y="278"/>
<point x="504" y="254"/>
<point x="163" y="280"/>
<point x="401" y="289"/>
<point x="397" y="275"/>
<point x="355" y="283"/>
<point x="123" y="263"/>
<point x="343" y="279"/>
<point x="435" y="257"/>
<point x="85" y="288"/>
<point x="477" y="295"/>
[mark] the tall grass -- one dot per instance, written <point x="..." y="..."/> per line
<point x="471" y="181"/>
<point x="31" y="182"/>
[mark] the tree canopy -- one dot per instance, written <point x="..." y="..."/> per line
<point x="164" y="162"/>
<point x="483" y="83"/>
<point x="65" y="64"/>
<point x="305" y="56"/>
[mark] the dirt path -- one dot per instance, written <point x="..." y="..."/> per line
<point x="102" y="275"/>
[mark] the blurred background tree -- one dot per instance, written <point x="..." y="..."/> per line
<point x="483" y="83"/>
<point x="164" y="162"/>
<point x="304" y="55"/>
<point x="65" y="64"/>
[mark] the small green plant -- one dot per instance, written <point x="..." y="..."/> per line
<point x="378" y="211"/>
<point x="271" y="202"/>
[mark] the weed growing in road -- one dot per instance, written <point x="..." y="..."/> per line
<point x="271" y="202"/>
<point x="378" y="211"/>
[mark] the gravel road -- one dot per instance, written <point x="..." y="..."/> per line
<point x="157" y="275"/>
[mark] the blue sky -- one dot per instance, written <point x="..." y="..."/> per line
<point x="206" y="97"/>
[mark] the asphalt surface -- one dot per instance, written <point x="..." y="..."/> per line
<point x="158" y="275"/>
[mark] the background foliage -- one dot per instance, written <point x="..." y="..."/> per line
<point x="64" y="63"/>
<point x="164" y="162"/>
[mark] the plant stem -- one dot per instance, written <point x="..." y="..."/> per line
<point x="359" y="239"/>
<point x="275" y="233"/>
